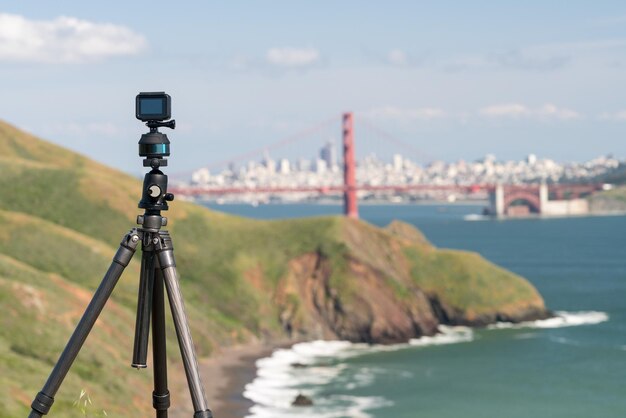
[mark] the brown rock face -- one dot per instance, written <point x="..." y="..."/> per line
<point x="372" y="315"/>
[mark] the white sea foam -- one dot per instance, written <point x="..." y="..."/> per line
<point x="476" y="217"/>
<point x="560" y="320"/>
<point x="277" y="382"/>
<point x="447" y="335"/>
<point x="331" y="407"/>
<point x="302" y="369"/>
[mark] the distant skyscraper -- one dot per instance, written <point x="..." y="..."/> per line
<point x="304" y="165"/>
<point x="269" y="163"/>
<point x="284" y="166"/>
<point x="201" y="176"/>
<point x="398" y="162"/>
<point x="320" y="166"/>
<point x="329" y="154"/>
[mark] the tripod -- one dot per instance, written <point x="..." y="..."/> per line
<point x="158" y="268"/>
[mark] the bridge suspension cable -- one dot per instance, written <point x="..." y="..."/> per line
<point x="385" y="135"/>
<point x="288" y="140"/>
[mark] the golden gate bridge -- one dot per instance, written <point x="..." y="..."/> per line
<point x="504" y="199"/>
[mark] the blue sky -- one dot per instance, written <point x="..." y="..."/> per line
<point x="452" y="79"/>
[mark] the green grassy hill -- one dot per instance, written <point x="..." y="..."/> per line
<point x="62" y="217"/>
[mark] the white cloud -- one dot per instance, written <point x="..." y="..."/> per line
<point x="620" y="115"/>
<point x="64" y="40"/>
<point x="293" y="57"/>
<point x="397" y="57"/>
<point x="551" y="111"/>
<point x="405" y="114"/>
<point x="517" y="110"/>
<point x="507" y="110"/>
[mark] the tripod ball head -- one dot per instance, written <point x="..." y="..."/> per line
<point x="155" y="195"/>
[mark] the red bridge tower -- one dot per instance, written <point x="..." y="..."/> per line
<point x="350" y="208"/>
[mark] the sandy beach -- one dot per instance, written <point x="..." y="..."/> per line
<point x="225" y="376"/>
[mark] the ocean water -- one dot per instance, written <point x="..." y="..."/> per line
<point x="570" y="366"/>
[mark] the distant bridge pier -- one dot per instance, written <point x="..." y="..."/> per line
<point x="544" y="196"/>
<point x="523" y="200"/>
<point x="496" y="201"/>
<point x="350" y="204"/>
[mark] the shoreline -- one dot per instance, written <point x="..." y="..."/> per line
<point x="237" y="368"/>
<point x="225" y="376"/>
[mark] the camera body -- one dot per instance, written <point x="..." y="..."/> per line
<point x="153" y="106"/>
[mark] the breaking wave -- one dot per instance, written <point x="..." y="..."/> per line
<point x="560" y="320"/>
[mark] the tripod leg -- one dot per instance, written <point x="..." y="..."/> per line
<point x="44" y="399"/>
<point x="144" y="306"/>
<point x="165" y="256"/>
<point x="161" y="395"/>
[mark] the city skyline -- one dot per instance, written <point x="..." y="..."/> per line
<point x="454" y="80"/>
<point x="330" y="151"/>
<point x="318" y="178"/>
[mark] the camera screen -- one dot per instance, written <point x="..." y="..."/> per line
<point x="152" y="106"/>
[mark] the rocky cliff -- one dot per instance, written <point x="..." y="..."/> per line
<point x="392" y="285"/>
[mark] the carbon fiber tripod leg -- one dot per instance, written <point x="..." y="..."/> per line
<point x="161" y="395"/>
<point x="144" y="306"/>
<point x="165" y="254"/>
<point x="44" y="399"/>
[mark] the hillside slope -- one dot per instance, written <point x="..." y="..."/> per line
<point x="63" y="216"/>
<point x="609" y="201"/>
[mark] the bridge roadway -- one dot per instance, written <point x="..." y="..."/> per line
<point x="558" y="190"/>
<point x="205" y="191"/>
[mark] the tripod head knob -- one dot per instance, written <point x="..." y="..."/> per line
<point x="154" y="191"/>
